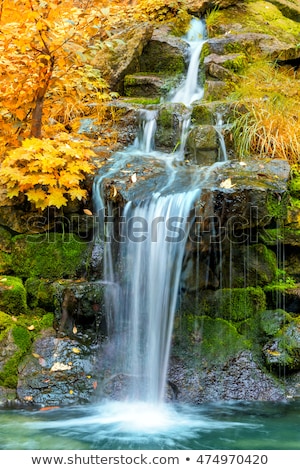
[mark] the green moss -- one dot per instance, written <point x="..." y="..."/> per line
<point x="236" y="65"/>
<point x="49" y="256"/>
<point x="22" y="338"/>
<point x="294" y="184"/>
<point x="9" y="373"/>
<point x="12" y="295"/>
<point x="40" y="293"/>
<point x="277" y="206"/>
<point x="202" y="114"/>
<point x="258" y="17"/>
<point x="6" y="323"/>
<point x="46" y="321"/>
<point x="142" y="101"/>
<point x="273" y="320"/>
<point x="239" y="304"/>
<point x="216" y="339"/>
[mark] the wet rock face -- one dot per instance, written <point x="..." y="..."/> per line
<point x="59" y="372"/>
<point x="239" y="379"/>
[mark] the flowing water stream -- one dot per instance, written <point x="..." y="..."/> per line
<point x="143" y="274"/>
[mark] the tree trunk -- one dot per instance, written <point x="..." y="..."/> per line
<point x="37" y="113"/>
<point x="36" y="123"/>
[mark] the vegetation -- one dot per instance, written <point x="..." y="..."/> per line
<point x="267" y="122"/>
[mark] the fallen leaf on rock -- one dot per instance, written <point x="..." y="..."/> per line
<point x="74" y="330"/>
<point x="76" y="350"/>
<point x="87" y="212"/>
<point x="31" y="327"/>
<point x="71" y="392"/>
<point x="59" y="366"/>
<point x="226" y="184"/>
<point x="36" y="355"/>
<point x="48" y="408"/>
<point x="28" y="398"/>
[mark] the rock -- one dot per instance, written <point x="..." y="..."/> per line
<point x="289" y="8"/>
<point x="123" y="58"/>
<point x="266" y="44"/>
<point x="12" y="295"/>
<point x="80" y="304"/>
<point x="283" y="349"/>
<point x="202" y="145"/>
<point x="60" y="372"/>
<point x="164" y="53"/>
<point x="199" y="7"/>
<point x="148" y="85"/>
<point x="170" y="122"/>
<point x="241" y="378"/>
<point x="216" y="89"/>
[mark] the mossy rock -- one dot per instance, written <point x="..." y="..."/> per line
<point x="13" y="295"/>
<point x="216" y="340"/>
<point x="283" y="349"/>
<point x="49" y="256"/>
<point x="254" y="265"/>
<point x="231" y="304"/>
<point x="40" y="293"/>
<point x="6" y="322"/>
<point x="257" y="17"/>
<point x="16" y="338"/>
<point x="161" y="57"/>
<point x="273" y="320"/>
<point x="5" y="240"/>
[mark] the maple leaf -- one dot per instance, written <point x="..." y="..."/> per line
<point x="56" y="198"/>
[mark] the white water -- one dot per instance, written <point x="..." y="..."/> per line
<point x="219" y="128"/>
<point x="190" y="90"/>
<point x="143" y="271"/>
<point x="156" y="231"/>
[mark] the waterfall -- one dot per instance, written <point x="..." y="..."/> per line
<point x="155" y="233"/>
<point x="190" y="90"/>
<point x="219" y="128"/>
<point x="145" y="139"/>
<point x="143" y="268"/>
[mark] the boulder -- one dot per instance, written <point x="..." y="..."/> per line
<point x="122" y="55"/>
<point x="288" y="8"/>
<point x="164" y="53"/>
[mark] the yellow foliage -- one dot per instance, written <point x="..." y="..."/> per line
<point x="44" y="61"/>
<point x="48" y="171"/>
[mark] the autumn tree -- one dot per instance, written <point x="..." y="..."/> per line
<point x="44" y="49"/>
<point x="46" y="82"/>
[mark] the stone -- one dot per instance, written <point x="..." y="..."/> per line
<point x="164" y="53"/>
<point x="60" y="372"/>
<point x="80" y="304"/>
<point x="216" y="90"/>
<point x="202" y="145"/>
<point x="289" y="8"/>
<point x="266" y="44"/>
<point x="123" y="59"/>
<point x="146" y="85"/>
<point x="13" y="295"/>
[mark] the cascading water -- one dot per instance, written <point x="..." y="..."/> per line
<point x="155" y="232"/>
<point x="190" y="90"/>
<point x="148" y="266"/>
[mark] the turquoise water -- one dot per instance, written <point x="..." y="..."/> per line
<point x="115" y="425"/>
